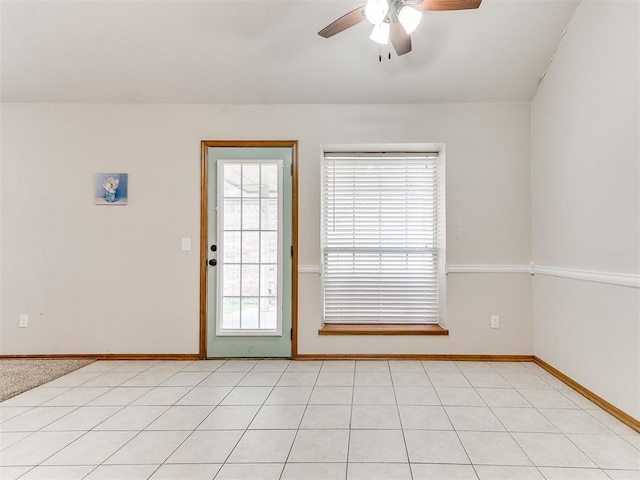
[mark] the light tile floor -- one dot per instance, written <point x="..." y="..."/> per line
<point x="271" y="419"/>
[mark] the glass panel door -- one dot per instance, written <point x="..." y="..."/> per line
<point x="249" y="286"/>
<point x="249" y="208"/>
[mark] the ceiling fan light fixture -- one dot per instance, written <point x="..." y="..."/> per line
<point x="380" y="33"/>
<point x="376" y="11"/>
<point x="409" y="18"/>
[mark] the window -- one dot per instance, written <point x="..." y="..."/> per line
<point x="381" y="218"/>
<point x="249" y="209"/>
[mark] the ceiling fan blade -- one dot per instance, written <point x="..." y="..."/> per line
<point x="346" y="21"/>
<point x="437" y="5"/>
<point x="400" y="39"/>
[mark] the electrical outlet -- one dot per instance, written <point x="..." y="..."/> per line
<point x="495" y="321"/>
<point x="24" y="320"/>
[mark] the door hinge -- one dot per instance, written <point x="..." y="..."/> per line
<point x="291" y="170"/>
<point x="291" y="333"/>
<point x="291" y="251"/>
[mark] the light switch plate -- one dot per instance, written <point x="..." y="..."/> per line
<point x="24" y="321"/>
<point x="186" y="244"/>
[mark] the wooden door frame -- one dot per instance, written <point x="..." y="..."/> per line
<point x="204" y="222"/>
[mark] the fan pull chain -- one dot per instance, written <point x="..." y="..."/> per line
<point x="380" y="54"/>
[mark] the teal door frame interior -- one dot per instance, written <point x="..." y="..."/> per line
<point x="205" y="271"/>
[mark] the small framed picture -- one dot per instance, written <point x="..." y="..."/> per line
<point x="111" y="189"/>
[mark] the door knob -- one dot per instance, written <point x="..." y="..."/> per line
<point x="213" y="262"/>
<point x="214" y="248"/>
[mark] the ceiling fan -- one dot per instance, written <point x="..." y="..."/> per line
<point x="394" y="19"/>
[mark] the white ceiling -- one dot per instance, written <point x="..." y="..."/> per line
<point x="261" y="51"/>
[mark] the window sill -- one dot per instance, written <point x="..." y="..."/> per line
<point x="381" y="329"/>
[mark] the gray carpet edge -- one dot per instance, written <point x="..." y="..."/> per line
<point x="20" y="375"/>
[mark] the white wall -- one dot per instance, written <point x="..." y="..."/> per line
<point x="113" y="279"/>
<point x="586" y="210"/>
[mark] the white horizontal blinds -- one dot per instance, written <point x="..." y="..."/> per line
<point x="380" y="256"/>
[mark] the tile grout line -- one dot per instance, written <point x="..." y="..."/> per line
<point x="246" y="429"/>
<point x="353" y="394"/>
<point x="504" y="426"/>
<point x="537" y="467"/>
<point x="559" y="431"/>
<point x="68" y="413"/>
<point x="286" y="460"/>
<point x="194" y="429"/>
<point x="538" y="408"/>
<point x="566" y="434"/>
<point x="452" y="425"/>
<point x="103" y="463"/>
<point x="400" y="415"/>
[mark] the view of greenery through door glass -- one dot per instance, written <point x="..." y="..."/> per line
<point x="248" y="210"/>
